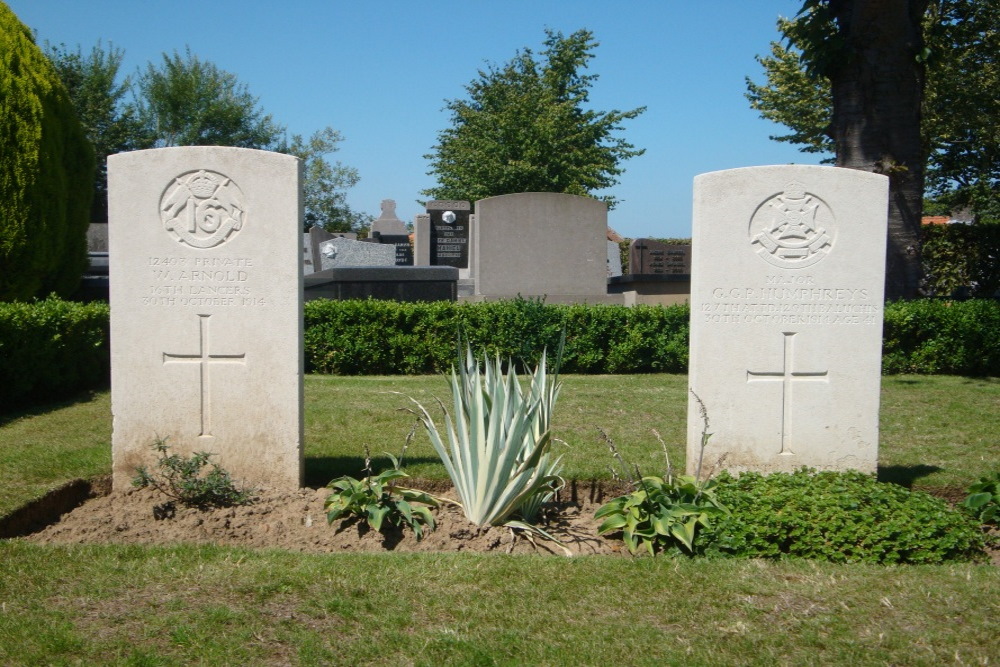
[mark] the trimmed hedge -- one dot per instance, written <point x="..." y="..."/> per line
<point x="942" y="337"/>
<point x="51" y="349"/>
<point x="389" y="338"/>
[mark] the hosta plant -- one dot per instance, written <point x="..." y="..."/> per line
<point x="662" y="514"/>
<point x="497" y="441"/>
<point x="983" y="501"/>
<point x="377" y="500"/>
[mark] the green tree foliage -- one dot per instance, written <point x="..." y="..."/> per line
<point x="793" y="96"/>
<point x="46" y="172"/>
<point x="190" y="102"/>
<point x="525" y="128"/>
<point x="958" y="128"/>
<point x="962" y="106"/>
<point x="326" y="184"/>
<point x="99" y="97"/>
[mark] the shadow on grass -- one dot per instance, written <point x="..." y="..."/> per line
<point x="15" y="412"/>
<point x="905" y="475"/>
<point x="321" y="470"/>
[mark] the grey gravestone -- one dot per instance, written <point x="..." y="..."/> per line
<point x="652" y="258"/>
<point x="97" y="237"/>
<point x="205" y="247"/>
<point x="541" y="243"/>
<point x="449" y="243"/>
<point x="614" y="259"/>
<point x="340" y="252"/>
<point x="787" y="281"/>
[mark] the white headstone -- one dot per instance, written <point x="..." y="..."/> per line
<point x="205" y="251"/>
<point x="787" y="282"/>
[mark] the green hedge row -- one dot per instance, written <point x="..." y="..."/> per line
<point x="942" y="337"/>
<point x="387" y="337"/>
<point x="51" y="349"/>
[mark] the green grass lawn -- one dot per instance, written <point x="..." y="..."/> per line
<point x="179" y="605"/>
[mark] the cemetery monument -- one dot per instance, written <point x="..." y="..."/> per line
<point x="205" y="251"/>
<point x="787" y="283"/>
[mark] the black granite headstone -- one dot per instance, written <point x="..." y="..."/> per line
<point x="648" y="257"/>
<point x="449" y="232"/>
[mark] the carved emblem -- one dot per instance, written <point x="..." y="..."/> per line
<point x="793" y="229"/>
<point x="202" y="209"/>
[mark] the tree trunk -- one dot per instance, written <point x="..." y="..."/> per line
<point x="877" y="90"/>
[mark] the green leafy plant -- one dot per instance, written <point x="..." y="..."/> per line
<point x="377" y="499"/>
<point x="499" y="440"/>
<point x="983" y="501"/>
<point x="184" y="480"/>
<point x="841" y="517"/>
<point x="662" y="514"/>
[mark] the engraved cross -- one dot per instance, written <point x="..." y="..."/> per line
<point x="203" y="358"/>
<point x="787" y="376"/>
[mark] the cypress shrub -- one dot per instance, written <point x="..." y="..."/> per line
<point x="46" y="172"/>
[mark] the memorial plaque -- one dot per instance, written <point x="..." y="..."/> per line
<point x="649" y="257"/>
<point x="205" y="250"/>
<point x="786" y="318"/>
<point x="449" y="232"/>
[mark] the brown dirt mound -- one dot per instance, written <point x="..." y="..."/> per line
<point x="296" y="522"/>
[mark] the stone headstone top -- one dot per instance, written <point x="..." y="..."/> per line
<point x="447" y="204"/>
<point x="649" y="257"/>
<point x="205" y="250"/>
<point x="387" y="223"/>
<point x="787" y="280"/>
<point x="339" y="252"/>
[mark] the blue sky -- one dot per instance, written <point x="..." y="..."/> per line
<point x="379" y="72"/>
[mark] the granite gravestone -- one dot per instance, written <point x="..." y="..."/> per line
<point x="788" y="273"/>
<point x="342" y="252"/>
<point x="206" y="310"/>
<point x="449" y="238"/>
<point x="653" y="258"/>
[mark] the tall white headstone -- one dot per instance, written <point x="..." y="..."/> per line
<point x="205" y="248"/>
<point x="787" y="281"/>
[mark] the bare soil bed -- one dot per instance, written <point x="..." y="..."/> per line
<point x="296" y="522"/>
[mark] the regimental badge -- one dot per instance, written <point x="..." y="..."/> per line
<point x="793" y="229"/>
<point x="202" y="209"/>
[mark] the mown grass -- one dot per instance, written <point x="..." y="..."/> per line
<point x="937" y="431"/>
<point x="205" y="605"/>
<point x="180" y="605"/>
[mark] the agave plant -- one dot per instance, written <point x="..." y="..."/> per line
<point x="498" y="439"/>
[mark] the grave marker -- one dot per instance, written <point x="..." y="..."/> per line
<point x="205" y="250"/>
<point x="788" y="273"/>
<point x="449" y="242"/>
